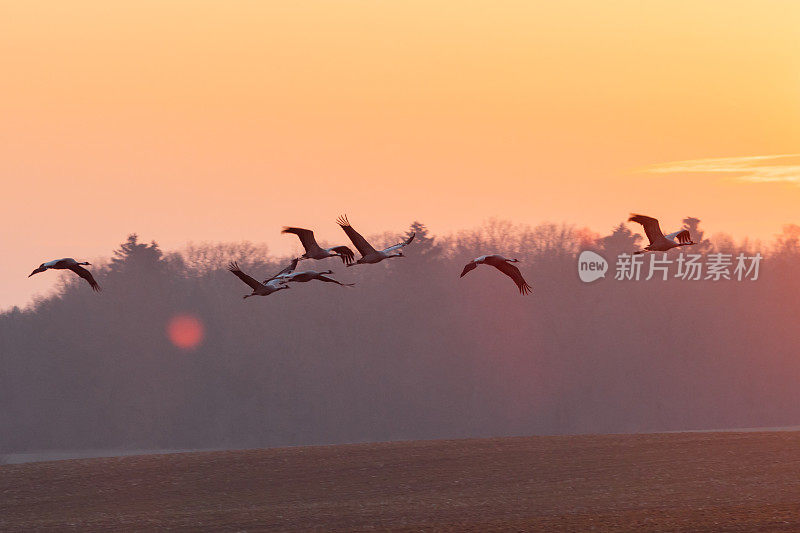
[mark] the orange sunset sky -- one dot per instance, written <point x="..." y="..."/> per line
<point x="223" y="121"/>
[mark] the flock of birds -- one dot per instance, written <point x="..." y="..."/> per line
<point x="658" y="242"/>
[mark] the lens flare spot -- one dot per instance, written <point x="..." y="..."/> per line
<point x="185" y="331"/>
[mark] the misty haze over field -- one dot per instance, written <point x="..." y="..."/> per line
<point x="410" y="352"/>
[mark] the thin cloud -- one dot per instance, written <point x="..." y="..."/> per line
<point x="758" y="168"/>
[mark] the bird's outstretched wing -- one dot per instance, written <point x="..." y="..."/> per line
<point x="288" y="270"/>
<point x="306" y="237"/>
<point x="650" y="224"/>
<point x="681" y="237"/>
<point x="472" y="265"/>
<point x="513" y="272"/>
<point x="85" y="274"/>
<point x="361" y="244"/>
<point x="251" y="282"/>
<point x="331" y="280"/>
<point x="404" y="243"/>
<point x="277" y="283"/>
<point x="345" y="253"/>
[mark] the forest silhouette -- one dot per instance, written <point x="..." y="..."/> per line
<point x="410" y="352"/>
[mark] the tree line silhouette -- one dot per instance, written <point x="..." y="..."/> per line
<point x="412" y="352"/>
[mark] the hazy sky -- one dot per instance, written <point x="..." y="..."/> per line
<point x="205" y="121"/>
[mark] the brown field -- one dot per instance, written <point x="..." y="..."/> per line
<point x="657" y="482"/>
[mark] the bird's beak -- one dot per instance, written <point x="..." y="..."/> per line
<point x="35" y="272"/>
